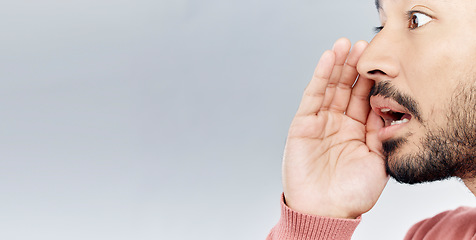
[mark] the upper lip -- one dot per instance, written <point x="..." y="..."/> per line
<point x="378" y="103"/>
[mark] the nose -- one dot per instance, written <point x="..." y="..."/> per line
<point x="380" y="60"/>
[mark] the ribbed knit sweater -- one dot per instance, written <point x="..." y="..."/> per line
<point x="450" y="225"/>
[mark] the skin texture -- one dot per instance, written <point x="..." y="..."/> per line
<point x="334" y="164"/>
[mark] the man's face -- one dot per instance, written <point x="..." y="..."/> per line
<point x="423" y="62"/>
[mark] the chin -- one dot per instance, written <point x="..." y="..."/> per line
<point x="437" y="156"/>
<point x="409" y="170"/>
<point x="411" y="166"/>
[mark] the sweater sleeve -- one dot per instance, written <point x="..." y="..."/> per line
<point x="296" y="226"/>
<point x="455" y="224"/>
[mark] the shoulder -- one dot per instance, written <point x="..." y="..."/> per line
<point x="459" y="223"/>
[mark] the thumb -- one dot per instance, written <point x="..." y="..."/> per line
<point x="374" y="124"/>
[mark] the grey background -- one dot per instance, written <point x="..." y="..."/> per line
<point x="167" y="119"/>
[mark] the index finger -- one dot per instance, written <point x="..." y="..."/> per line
<point x="314" y="93"/>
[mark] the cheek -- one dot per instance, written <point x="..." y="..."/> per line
<point x="434" y="73"/>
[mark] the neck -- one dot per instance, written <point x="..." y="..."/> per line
<point x="471" y="184"/>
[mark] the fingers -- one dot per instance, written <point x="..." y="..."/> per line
<point x="331" y="85"/>
<point x="359" y="106"/>
<point x="341" y="49"/>
<point x="313" y="96"/>
<point x="347" y="79"/>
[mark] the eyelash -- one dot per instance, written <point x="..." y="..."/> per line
<point x="409" y="18"/>
<point x="377" y="29"/>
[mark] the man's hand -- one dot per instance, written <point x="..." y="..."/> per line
<point x="333" y="165"/>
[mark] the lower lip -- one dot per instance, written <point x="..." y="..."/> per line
<point x="386" y="133"/>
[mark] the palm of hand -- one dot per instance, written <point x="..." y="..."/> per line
<point x="332" y="162"/>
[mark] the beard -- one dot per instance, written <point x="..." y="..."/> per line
<point x="445" y="151"/>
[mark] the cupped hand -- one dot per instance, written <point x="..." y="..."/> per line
<point x="333" y="165"/>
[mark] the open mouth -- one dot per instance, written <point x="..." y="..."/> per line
<point x="392" y="117"/>
<point x="396" y="117"/>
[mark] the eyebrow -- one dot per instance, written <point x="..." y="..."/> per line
<point x="378" y="5"/>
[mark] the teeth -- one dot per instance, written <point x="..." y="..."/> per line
<point x="399" y="122"/>
<point x="384" y="110"/>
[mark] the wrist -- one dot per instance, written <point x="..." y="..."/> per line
<point x="316" y="209"/>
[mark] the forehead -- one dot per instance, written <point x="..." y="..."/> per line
<point x="379" y="3"/>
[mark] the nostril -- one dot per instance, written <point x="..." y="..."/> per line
<point x="375" y="72"/>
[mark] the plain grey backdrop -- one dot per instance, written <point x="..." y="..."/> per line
<point x="142" y="119"/>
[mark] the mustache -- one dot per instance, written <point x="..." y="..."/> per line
<point x="387" y="90"/>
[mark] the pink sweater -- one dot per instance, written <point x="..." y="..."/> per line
<point x="450" y="225"/>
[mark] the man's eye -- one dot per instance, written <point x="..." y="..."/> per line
<point x="417" y="19"/>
